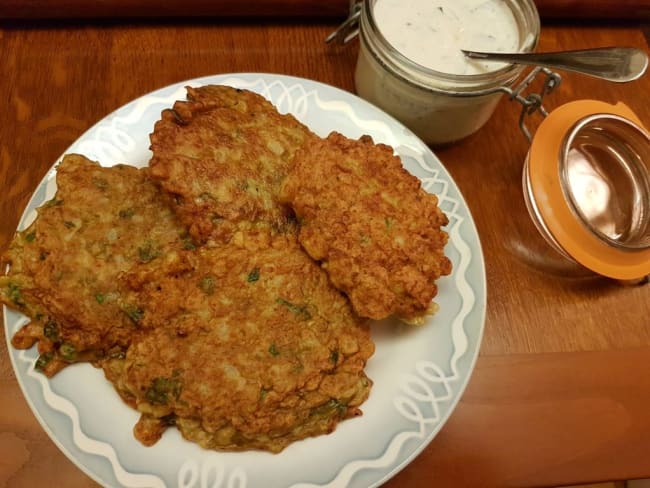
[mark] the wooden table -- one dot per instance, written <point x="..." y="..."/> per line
<point x="561" y="391"/>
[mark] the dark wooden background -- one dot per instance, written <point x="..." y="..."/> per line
<point x="30" y="9"/>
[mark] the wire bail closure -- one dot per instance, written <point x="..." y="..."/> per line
<point x="349" y="29"/>
<point x="532" y="102"/>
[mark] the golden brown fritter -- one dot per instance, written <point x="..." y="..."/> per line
<point x="65" y="265"/>
<point x="369" y="222"/>
<point x="250" y="348"/>
<point x="223" y="154"/>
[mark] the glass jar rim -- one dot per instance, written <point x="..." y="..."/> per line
<point x="475" y="84"/>
<point x="543" y="179"/>
<point x="631" y="143"/>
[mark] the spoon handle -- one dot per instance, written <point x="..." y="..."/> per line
<point x="619" y="64"/>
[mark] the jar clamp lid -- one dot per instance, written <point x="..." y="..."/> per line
<point x="587" y="187"/>
<point x="349" y="29"/>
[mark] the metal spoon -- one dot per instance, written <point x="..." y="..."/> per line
<point x="619" y="64"/>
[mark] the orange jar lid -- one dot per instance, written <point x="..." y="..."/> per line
<point x="589" y="175"/>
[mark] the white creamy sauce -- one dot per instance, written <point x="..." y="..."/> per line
<point x="433" y="32"/>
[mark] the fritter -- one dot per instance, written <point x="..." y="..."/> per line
<point x="223" y="154"/>
<point x="64" y="267"/>
<point x="375" y="230"/>
<point x="250" y="348"/>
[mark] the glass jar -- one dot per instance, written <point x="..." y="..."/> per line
<point x="586" y="183"/>
<point x="438" y="107"/>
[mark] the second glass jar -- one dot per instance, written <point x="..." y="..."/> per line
<point x="438" y="107"/>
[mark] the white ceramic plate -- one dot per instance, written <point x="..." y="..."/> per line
<point x="418" y="373"/>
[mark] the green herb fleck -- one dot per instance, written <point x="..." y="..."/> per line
<point x="331" y="408"/>
<point x="254" y="275"/>
<point x="31" y="237"/>
<point x="100" y="183"/>
<point x="55" y="202"/>
<point x="15" y="295"/>
<point x="334" y="357"/>
<point x="126" y="213"/>
<point x="147" y="252"/>
<point x="188" y="245"/>
<point x="299" y="310"/>
<point x="208" y="284"/>
<point x="162" y="389"/>
<point x="263" y="393"/>
<point x="43" y="360"/>
<point x="100" y="297"/>
<point x="133" y="312"/>
<point x="68" y="351"/>
<point x="51" y="330"/>
<point x="273" y="350"/>
<point x="69" y="224"/>
<point x="389" y="223"/>
<point x="298" y="368"/>
<point x="442" y="11"/>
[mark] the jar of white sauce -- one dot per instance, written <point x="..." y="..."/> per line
<point x="410" y="62"/>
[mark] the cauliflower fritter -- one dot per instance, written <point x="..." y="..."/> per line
<point x="369" y="222"/>
<point x="223" y="154"/>
<point x="222" y="289"/>
<point x="65" y="265"/>
<point x="250" y="348"/>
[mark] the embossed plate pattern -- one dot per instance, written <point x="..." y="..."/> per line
<point x="418" y="373"/>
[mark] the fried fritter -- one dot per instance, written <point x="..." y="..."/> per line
<point x="223" y="154"/>
<point x="250" y="348"/>
<point x="375" y="230"/>
<point x="64" y="267"/>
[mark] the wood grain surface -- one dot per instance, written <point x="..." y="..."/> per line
<point x="561" y="391"/>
